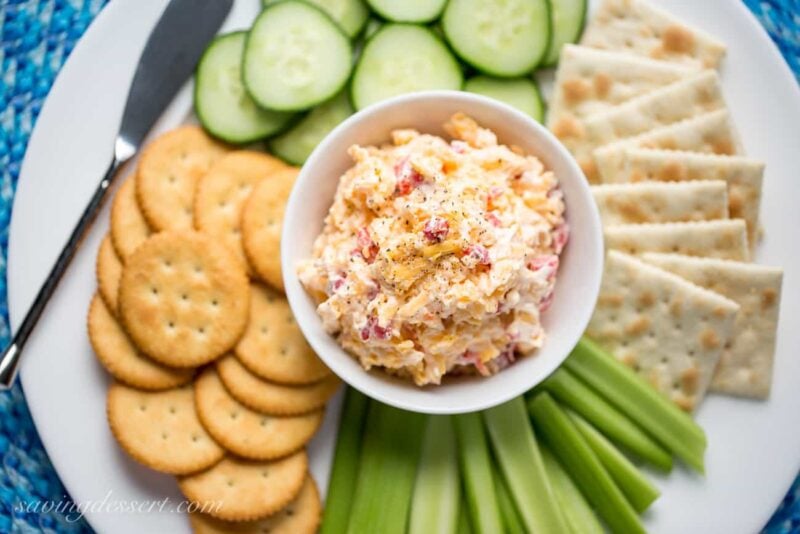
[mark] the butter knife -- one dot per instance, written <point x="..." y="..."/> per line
<point x="168" y="60"/>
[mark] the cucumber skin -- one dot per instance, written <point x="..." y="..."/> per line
<point x="342" y="86"/>
<point x="487" y="70"/>
<point x="356" y="34"/>
<point x="439" y="37"/>
<point x="210" y="129"/>
<point x="376" y="10"/>
<point x="547" y="61"/>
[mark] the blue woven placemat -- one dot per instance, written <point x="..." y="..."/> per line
<point x="37" y="37"/>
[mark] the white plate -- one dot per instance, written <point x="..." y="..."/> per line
<point x="754" y="447"/>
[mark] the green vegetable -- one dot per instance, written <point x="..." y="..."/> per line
<point x="464" y="525"/>
<point x="623" y="388"/>
<point x="517" y="453"/>
<point x="437" y="490"/>
<point x="574" y="393"/>
<point x="511" y="518"/>
<point x="345" y="463"/>
<point x="583" y="466"/>
<point x="389" y="458"/>
<point x="639" y="491"/>
<point x="476" y="469"/>
<point x="580" y="517"/>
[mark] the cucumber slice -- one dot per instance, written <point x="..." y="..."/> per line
<point x="520" y="93"/>
<point x="295" y="57"/>
<point x="295" y="145"/>
<point x="419" y="11"/>
<point x="220" y="100"/>
<point x="505" y="38"/>
<point x="350" y="15"/>
<point x="566" y="18"/>
<point x="402" y="58"/>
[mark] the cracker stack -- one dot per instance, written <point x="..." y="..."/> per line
<point x="214" y="383"/>
<point x="640" y="106"/>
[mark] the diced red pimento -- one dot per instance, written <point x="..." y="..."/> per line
<point x="560" y="237"/>
<point x="407" y="176"/>
<point x="493" y="219"/>
<point x="473" y="358"/>
<point x="479" y="253"/>
<point x="436" y="229"/>
<point x="374" y="330"/>
<point x="336" y="282"/>
<point x="547" y="262"/>
<point x="366" y="246"/>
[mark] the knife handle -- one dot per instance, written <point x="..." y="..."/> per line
<point x="9" y="361"/>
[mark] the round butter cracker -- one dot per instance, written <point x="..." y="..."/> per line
<point x="168" y="172"/>
<point x="301" y="516"/>
<point x="120" y="357"/>
<point x="245" y="432"/>
<point x="272" y="346"/>
<point x="183" y="298"/>
<point x="270" y="397"/>
<point x="128" y="225"/>
<point x="108" y="269"/>
<point x="161" y="429"/>
<point x="262" y="223"/>
<point x="242" y="490"/>
<point x="223" y="190"/>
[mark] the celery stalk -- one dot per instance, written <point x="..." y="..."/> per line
<point x="464" y="525"/>
<point x="389" y="457"/>
<point x="511" y="518"/>
<point x="344" y="472"/>
<point x="574" y="393"/>
<point x="578" y="459"/>
<point x="623" y="388"/>
<point x="580" y="517"/>
<point x="476" y="472"/>
<point x="437" y="490"/>
<point x="639" y="491"/>
<point x="518" y="455"/>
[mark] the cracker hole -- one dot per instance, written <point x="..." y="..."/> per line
<point x="728" y="345"/>
<point x="676" y="386"/>
<point x="154" y="291"/>
<point x="230" y="483"/>
<point x="171" y="178"/>
<point x="195" y="438"/>
<point x="651" y="334"/>
<point x="289" y="319"/>
<point x="171" y="325"/>
<point x="289" y="512"/>
<point x="142" y="408"/>
<point x="265" y="473"/>
<point x="198" y="269"/>
<point x="172" y="410"/>
<point x="164" y="435"/>
<point x="184" y="297"/>
<point x="184" y="155"/>
<point x="201" y="330"/>
<point x="676" y="248"/>
<point x="215" y="303"/>
<point x="264" y="330"/>
<point x="691" y="354"/>
<point x="637" y="367"/>
<point x="222" y="204"/>
<point x="234" y="415"/>
<point x="284" y="351"/>
<point x="270" y="222"/>
<point x="664" y="360"/>
<point x="264" y="421"/>
<point x="678" y="326"/>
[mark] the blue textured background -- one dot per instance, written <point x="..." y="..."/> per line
<point x="37" y="37"/>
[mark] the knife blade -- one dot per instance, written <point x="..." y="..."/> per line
<point x="169" y="57"/>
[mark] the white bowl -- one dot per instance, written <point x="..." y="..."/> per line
<point x="578" y="281"/>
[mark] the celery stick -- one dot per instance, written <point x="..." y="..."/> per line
<point x="574" y="393"/>
<point x="345" y="463"/>
<point x="639" y="491"/>
<point x="437" y="489"/>
<point x="580" y="517"/>
<point x="583" y="466"/>
<point x="476" y="472"/>
<point x="464" y="526"/>
<point x="511" y="518"/>
<point x="673" y="427"/>
<point x="518" y="455"/>
<point x="389" y="457"/>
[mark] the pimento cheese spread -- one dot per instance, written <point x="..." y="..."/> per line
<point x="439" y="257"/>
